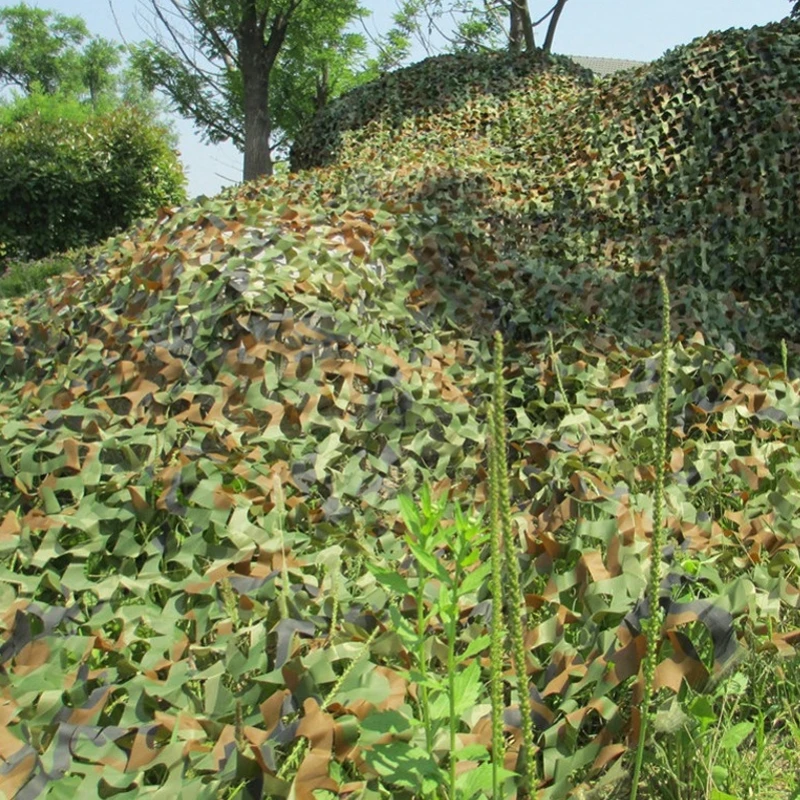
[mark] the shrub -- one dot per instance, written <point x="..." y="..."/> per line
<point x="67" y="181"/>
<point x="24" y="277"/>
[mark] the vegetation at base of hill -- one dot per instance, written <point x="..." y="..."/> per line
<point x="72" y="182"/>
<point x="20" y="278"/>
<point x="82" y="151"/>
<point x="216" y="580"/>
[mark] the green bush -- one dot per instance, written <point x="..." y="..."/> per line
<point x="24" y="277"/>
<point x="67" y="181"/>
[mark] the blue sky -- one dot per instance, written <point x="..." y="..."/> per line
<point x="636" y="29"/>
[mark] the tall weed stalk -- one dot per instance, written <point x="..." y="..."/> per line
<point x="505" y="549"/>
<point x="785" y="359"/>
<point x="652" y="628"/>
<point x="300" y="747"/>
<point x="496" y="648"/>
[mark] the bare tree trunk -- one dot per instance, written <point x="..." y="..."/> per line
<point x="527" y="26"/>
<point x="323" y="87"/>
<point x="551" y="28"/>
<point x="257" y="127"/>
<point x="515" y="27"/>
<point x="520" y="27"/>
<point x="257" y="57"/>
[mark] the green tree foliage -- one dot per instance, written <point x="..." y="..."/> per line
<point x="263" y="67"/>
<point x="100" y="59"/>
<point x="82" y="152"/>
<point x="49" y="52"/>
<point x="69" y="176"/>
<point x="479" y="25"/>
<point x="309" y="77"/>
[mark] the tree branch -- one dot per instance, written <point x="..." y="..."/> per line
<point x="230" y="58"/>
<point x="13" y="79"/>
<point x="172" y="33"/>
<point x="492" y="9"/>
<point x="542" y="19"/>
<point x="461" y="36"/>
<point x="551" y="28"/>
<point x="117" y="25"/>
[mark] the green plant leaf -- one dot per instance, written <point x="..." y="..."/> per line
<point x="734" y="736"/>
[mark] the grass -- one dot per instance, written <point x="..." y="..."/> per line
<point x="20" y="278"/>
<point x="742" y="740"/>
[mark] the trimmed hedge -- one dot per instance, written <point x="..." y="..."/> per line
<point x="69" y="182"/>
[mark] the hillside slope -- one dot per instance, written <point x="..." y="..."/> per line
<point x="204" y="433"/>
<point x="689" y="165"/>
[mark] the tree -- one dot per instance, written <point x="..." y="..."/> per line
<point x="49" y="52"/>
<point x="100" y="59"/>
<point x="520" y="27"/>
<point x="82" y="150"/>
<point x="242" y="69"/>
<point x="480" y="24"/>
<point x="310" y="77"/>
<point x="796" y="9"/>
<point x="71" y="176"/>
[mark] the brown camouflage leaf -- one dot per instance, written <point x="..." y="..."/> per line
<point x="319" y="728"/>
<point x="12" y="780"/>
<point x="592" y="563"/>
<point x="679" y="666"/>
<point x="271" y="709"/>
<point x="566" y="670"/>
<point x="9" y="744"/>
<point x="90" y="713"/>
<point x="633" y="524"/>
<point x="173" y="368"/>
<point x="9" y="527"/>
<point x="352" y="790"/>
<point x="395" y="699"/>
<point x="621" y="380"/>
<point x="345" y="367"/>
<point x="142" y="389"/>
<point x="555" y="516"/>
<point x="224" y="747"/>
<point x="625" y="661"/>
<point x="539" y="453"/>
<point x="695" y="538"/>
<point x="9" y="614"/>
<point x="139" y="503"/>
<point x="32" y="656"/>
<point x="739" y="468"/>
<point x="71" y="454"/>
<point x="588" y="487"/>
<point x="608" y="754"/>
<point x="145" y="748"/>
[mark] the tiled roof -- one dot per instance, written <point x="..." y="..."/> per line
<point x="605" y="66"/>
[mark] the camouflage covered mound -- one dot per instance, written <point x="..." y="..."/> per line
<point x="690" y="164"/>
<point x="432" y="90"/>
<point x="203" y="434"/>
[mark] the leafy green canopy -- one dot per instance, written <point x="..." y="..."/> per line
<point x="82" y="153"/>
<point x="53" y="53"/>
<point x="70" y="177"/>
<point x="205" y="432"/>
<point x="304" y="54"/>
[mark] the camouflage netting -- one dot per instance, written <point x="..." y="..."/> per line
<point x="203" y="433"/>
<point x="690" y="165"/>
